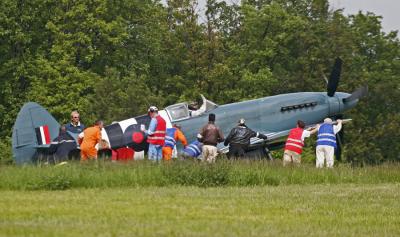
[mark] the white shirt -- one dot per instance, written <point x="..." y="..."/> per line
<point x="305" y="134"/>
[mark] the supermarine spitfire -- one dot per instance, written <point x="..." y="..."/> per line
<point x="274" y="116"/>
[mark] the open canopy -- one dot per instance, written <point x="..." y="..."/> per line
<point x="181" y="111"/>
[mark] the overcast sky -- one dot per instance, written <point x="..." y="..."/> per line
<point x="388" y="9"/>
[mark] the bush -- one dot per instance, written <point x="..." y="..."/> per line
<point x="51" y="182"/>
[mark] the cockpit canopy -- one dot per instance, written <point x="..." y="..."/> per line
<point x="181" y="111"/>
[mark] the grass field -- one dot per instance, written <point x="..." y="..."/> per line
<point x="190" y="199"/>
<point x="293" y="210"/>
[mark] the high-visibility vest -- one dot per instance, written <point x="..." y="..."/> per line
<point x="158" y="137"/>
<point x="170" y="138"/>
<point x="193" y="149"/>
<point x="294" y="142"/>
<point x="326" y="135"/>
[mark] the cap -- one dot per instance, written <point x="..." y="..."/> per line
<point x="152" y="109"/>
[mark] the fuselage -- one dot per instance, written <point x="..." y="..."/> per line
<point x="271" y="114"/>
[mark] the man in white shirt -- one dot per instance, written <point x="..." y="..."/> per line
<point x="326" y="142"/>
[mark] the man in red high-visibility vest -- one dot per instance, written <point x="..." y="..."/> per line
<point x="155" y="134"/>
<point x="295" y="142"/>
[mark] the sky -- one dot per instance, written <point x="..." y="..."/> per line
<point x="388" y="9"/>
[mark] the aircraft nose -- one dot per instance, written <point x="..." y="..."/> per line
<point x="345" y="105"/>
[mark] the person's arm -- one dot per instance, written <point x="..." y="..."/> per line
<point x="152" y="127"/>
<point x="229" y="137"/>
<point x="336" y="128"/>
<point x="200" y="135"/>
<point x="98" y="136"/>
<point x="262" y="136"/>
<point x="312" y="130"/>
<point x="220" y="136"/>
<point x="181" y="137"/>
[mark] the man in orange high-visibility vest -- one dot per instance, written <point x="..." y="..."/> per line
<point x="173" y="135"/>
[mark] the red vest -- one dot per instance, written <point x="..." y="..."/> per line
<point x="158" y="137"/>
<point x="294" y="142"/>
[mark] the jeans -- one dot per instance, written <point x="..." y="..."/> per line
<point x="155" y="152"/>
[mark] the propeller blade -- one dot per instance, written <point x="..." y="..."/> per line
<point x="357" y="94"/>
<point x="339" y="139"/>
<point x="334" y="77"/>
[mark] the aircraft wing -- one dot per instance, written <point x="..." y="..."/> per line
<point x="275" y="141"/>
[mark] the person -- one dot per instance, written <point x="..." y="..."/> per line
<point x="295" y="142"/>
<point x="88" y="140"/>
<point x="326" y="142"/>
<point x="239" y="139"/>
<point x="155" y="134"/>
<point x="210" y="135"/>
<point x="62" y="145"/>
<point x="195" y="110"/>
<point x="173" y="135"/>
<point x="193" y="150"/>
<point x="75" y="126"/>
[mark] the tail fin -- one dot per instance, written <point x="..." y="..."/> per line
<point x="34" y="128"/>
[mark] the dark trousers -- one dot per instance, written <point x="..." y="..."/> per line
<point x="236" y="150"/>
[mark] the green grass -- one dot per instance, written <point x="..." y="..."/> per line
<point x="224" y="173"/>
<point x="229" y="198"/>
<point x="290" y="210"/>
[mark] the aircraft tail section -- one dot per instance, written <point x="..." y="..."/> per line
<point x="34" y="128"/>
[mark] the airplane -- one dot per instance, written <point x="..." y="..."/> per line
<point x="273" y="116"/>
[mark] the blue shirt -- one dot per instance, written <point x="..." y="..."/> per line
<point x="152" y="126"/>
<point x="75" y="128"/>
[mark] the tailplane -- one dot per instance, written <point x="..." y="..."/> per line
<point x="34" y="129"/>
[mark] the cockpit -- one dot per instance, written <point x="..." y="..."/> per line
<point x="181" y="111"/>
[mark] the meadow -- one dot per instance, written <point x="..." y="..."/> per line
<point x="230" y="198"/>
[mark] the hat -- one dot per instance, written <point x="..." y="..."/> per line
<point x="152" y="109"/>
<point x="241" y="121"/>
<point x="211" y="117"/>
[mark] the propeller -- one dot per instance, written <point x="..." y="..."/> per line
<point x="334" y="77"/>
<point x="357" y="94"/>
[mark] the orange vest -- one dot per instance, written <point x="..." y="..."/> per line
<point x="158" y="137"/>
<point x="294" y="142"/>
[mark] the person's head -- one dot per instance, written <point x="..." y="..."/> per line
<point x="241" y="121"/>
<point x="301" y="124"/>
<point x="176" y="126"/>
<point x="99" y="123"/>
<point x="211" y="117"/>
<point x="63" y="129"/>
<point x="193" y="105"/>
<point x="328" y="121"/>
<point x="75" y="117"/>
<point x="152" y="111"/>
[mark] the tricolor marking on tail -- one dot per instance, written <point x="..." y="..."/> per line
<point x="43" y="135"/>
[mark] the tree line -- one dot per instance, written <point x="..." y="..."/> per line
<point x="112" y="59"/>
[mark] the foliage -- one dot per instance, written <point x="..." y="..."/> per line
<point x="112" y="59"/>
